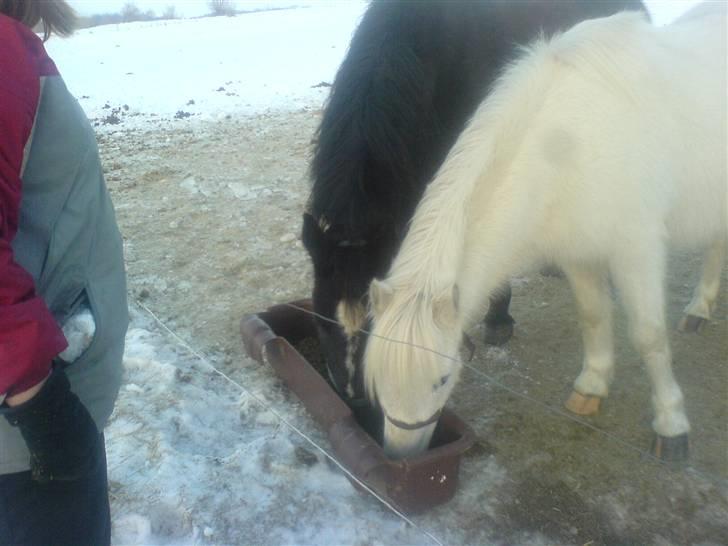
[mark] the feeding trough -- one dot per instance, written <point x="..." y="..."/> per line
<point x="412" y="484"/>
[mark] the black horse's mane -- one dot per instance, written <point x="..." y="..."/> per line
<point x="366" y="169"/>
<point x="412" y="76"/>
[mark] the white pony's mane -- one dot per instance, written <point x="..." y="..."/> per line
<point x="427" y="265"/>
<point x="431" y="252"/>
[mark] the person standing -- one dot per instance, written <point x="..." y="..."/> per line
<point x="62" y="280"/>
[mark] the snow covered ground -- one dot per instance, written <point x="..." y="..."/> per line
<point x="213" y="464"/>
<point x="207" y="68"/>
<point x="193" y="457"/>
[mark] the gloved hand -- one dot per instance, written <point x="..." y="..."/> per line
<point x="61" y="436"/>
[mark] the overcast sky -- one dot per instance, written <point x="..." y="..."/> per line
<point x="662" y="10"/>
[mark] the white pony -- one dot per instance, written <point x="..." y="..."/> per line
<point x="593" y="151"/>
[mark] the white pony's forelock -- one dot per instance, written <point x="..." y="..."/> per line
<point x="407" y="355"/>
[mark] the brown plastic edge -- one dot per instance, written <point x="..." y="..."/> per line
<point x="357" y="451"/>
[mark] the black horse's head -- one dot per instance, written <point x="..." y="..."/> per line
<point x="344" y="263"/>
<point x="372" y="148"/>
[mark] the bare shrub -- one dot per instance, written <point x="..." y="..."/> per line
<point x="221" y="7"/>
<point x="130" y="12"/>
<point x="170" y="12"/>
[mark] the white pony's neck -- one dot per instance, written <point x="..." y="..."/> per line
<point x="433" y="251"/>
<point x="429" y="263"/>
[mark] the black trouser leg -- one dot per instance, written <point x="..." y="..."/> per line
<point x="74" y="513"/>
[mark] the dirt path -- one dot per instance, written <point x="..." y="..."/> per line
<point x="210" y="215"/>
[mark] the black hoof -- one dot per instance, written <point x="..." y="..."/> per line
<point x="498" y="334"/>
<point x="673" y="449"/>
<point x="691" y="324"/>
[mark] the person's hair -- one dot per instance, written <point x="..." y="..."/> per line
<point x="54" y="16"/>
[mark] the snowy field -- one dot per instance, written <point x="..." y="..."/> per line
<point x="208" y="68"/>
<point x="196" y="458"/>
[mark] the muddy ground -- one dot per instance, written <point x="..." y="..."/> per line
<point x="210" y="214"/>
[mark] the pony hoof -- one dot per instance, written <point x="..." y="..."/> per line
<point x="672" y="449"/>
<point x="499" y="334"/>
<point x="691" y="324"/>
<point x="581" y="404"/>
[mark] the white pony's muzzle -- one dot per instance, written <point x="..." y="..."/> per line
<point x="400" y="442"/>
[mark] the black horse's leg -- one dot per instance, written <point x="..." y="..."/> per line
<point x="498" y="323"/>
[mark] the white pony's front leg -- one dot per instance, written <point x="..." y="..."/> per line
<point x="594" y="305"/>
<point x="639" y="275"/>
<point x="697" y="312"/>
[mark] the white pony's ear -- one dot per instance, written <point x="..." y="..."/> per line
<point x="445" y="307"/>
<point x="380" y="296"/>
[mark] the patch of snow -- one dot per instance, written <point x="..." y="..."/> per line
<point x="499" y="355"/>
<point x="190" y="184"/>
<point x="133" y="529"/>
<point x="192" y="458"/>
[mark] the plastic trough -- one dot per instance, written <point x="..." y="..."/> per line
<point x="413" y="484"/>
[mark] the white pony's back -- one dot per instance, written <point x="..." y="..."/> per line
<point x="636" y="109"/>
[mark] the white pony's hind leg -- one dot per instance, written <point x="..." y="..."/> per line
<point x="594" y="305"/>
<point x="698" y="311"/>
<point x="639" y="275"/>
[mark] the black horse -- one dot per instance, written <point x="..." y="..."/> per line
<point x="414" y="73"/>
